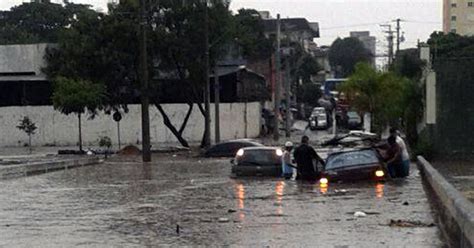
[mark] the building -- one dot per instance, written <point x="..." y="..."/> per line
<point x="296" y="29"/>
<point x="368" y="41"/>
<point x="22" y="81"/>
<point x="458" y="16"/>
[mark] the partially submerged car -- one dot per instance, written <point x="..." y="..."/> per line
<point x="230" y="148"/>
<point x="361" y="164"/>
<point x="354" y="138"/>
<point x="257" y="161"/>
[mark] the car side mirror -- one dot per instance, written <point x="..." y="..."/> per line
<point x="232" y="161"/>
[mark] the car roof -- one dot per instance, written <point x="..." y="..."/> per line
<point x="260" y="148"/>
<point x="352" y="150"/>
<point x="249" y="141"/>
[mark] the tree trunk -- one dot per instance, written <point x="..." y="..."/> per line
<point x="186" y="118"/>
<point x="80" y="132"/>
<point x="170" y="126"/>
<point x="29" y="142"/>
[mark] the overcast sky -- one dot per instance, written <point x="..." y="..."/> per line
<point x="337" y="17"/>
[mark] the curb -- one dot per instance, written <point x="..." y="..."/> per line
<point x="456" y="213"/>
<point x="28" y="169"/>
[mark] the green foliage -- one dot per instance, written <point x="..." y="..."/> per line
<point x="345" y="54"/>
<point x="250" y="36"/>
<point x="105" y="141"/>
<point x="27" y="126"/>
<point x="309" y="93"/>
<point x="451" y="45"/>
<point x="309" y="67"/>
<point x="38" y="22"/>
<point x="424" y="146"/>
<point x="409" y="64"/>
<point x="76" y="95"/>
<point x="382" y="94"/>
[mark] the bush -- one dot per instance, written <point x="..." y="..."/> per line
<point x="424" y="146"/>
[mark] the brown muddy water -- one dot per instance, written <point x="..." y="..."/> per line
<point x="185" y="201"/>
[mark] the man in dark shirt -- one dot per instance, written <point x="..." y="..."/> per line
<point x="304" y="156"/>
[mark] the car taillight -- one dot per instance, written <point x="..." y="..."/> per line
<point x="379" y="173"/>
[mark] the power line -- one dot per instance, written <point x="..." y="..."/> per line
<point x="354" y="25"/>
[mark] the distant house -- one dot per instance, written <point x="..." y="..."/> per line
<point x="21" y="80"/>
<point x="236" y="84"/>
<point x="297" y="30"/>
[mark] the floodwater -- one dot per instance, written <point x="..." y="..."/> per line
<point x="185" y="201"/>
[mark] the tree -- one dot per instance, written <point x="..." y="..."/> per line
<point x="29" y="127"/>
<point x="38" y="22"/>
<point x="451" y="45"/>
<point x="345" y="53"/>
<point x="75" y="96"/>
<point x="378" y="93"/>
<point x="104" y="49"/>
<point x="409" y="65"/>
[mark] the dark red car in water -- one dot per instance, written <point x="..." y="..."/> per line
<point x="359" y="164"/>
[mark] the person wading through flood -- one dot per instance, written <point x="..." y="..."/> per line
<point x="404" y="152"/>
<point x="286" y="163"/>
<point x="304" y="156"/>
<point x="393" y="158"/>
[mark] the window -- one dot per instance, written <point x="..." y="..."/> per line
<point x="453" y="18"/>
<point x="453" y="30"/>
<point x="470" y="4"/>
<point x="454" y="5"/>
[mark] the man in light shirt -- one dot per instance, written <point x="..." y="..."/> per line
<point x="404" y="151"/>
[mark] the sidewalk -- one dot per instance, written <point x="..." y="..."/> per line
<point x="460" y="173"/>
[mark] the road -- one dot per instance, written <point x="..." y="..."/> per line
<point x="124" y="203"/>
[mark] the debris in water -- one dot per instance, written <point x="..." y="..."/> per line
<point x="409" y="223"/>
<point x="360" y="214"/>
<point x="231" y="211"/>
<point x="406" y="203"/>
<point x="223" y="220"/>
<point x="177" y="229"/>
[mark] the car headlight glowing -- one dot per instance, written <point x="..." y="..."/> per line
<point x="240" y="152"/>
<point x="323" y="180"/>
<point x="279" y="152"/>
<point x="379" y="173"/>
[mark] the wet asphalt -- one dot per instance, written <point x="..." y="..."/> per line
<point x="181" y="200"/>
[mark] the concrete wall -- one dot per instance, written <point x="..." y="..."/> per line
<point x="23" y="58"/>
<point x="455" y="212"/>
<point x="237" y="120"/>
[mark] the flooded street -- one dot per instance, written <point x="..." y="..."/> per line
<point x="192" y="201"/>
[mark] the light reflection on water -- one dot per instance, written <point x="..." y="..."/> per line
<point x="379" y="189"/>
<point x="279" y="191"/>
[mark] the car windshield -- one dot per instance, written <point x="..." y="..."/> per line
<point x="352" y="115"/>
<point x="259" y="157"/>
<point x="352" y="158"/>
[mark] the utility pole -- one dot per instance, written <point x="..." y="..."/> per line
<point x="398" y="35"/>
<point x="390" y="43"/>
<point x="207" y="90"/>
<point x="216" y="104"/>
<point x="146" y="153"/>
<point x="276" y="109"/>
<point x="287" y="92"/>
